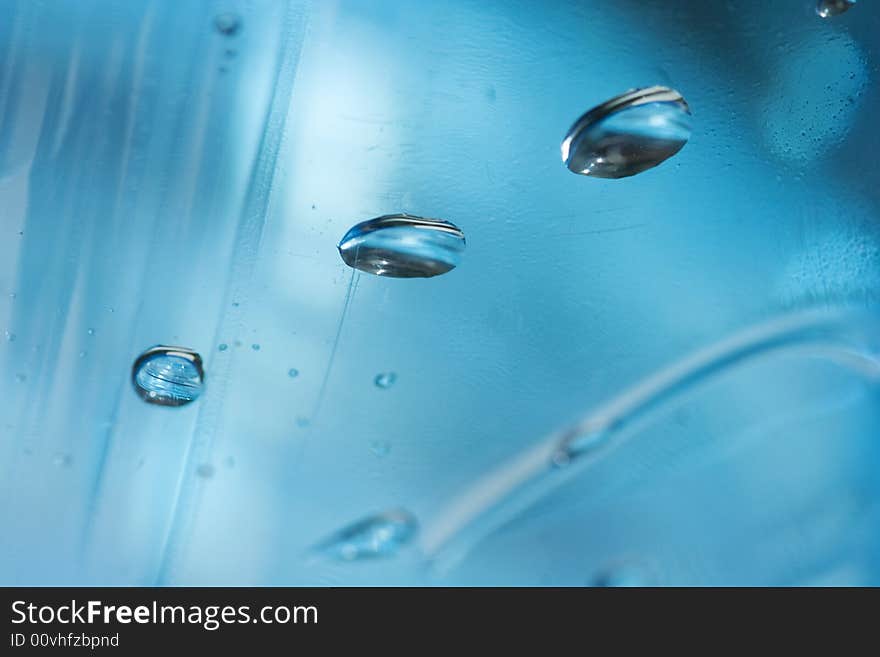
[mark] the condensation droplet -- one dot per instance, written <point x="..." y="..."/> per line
<point x="255" y="347"/>
<point x="10" y="337"/>
<point x="380" y="448"/>
<point x="169" y="376"/>
<point x="228" y="23"/>
<point x="403" y="246"/>
<point x="62" y="460"/>
<point x="385" y="380"/>
<point x="21" y="378"/>
<point x="381" y="535"/>
<point x="628" y="134"/>
<point x="829" y="8"/>
<point x="223" y="347"/>
<point x="293" y="372"/>
<point x="205" y="471"/>
<point x="91" y="331"/>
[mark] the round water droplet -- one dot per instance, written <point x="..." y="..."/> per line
<point x="223" y="347"/>
<point x="255" y="347"/>
<point x="91" y="331"/>
<point x="829" y="8"/>
<point x="205" y="471"/>
<point x="385" y="380"/>
<point x="62" y="460"/>
<point x="293" y="372"/>
<point x="228" y="23"/>
<point x="21" y="378"/>
<point x="169" y="376"/>
<point x="628" y="134"/>
<point x="381" y="535"/>
<point x="380" y="448"/>
<point x="10" y="337"/>
<point x="403" y="246"/>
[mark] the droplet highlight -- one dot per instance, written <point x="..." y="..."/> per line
<point x="381" y="535"/>
<point x="168" y="376"/>
<point x="403" y="246"/>
<point x="628" y="134"/>
<point x="829" y="8"/>
<point x="385" y="380"/>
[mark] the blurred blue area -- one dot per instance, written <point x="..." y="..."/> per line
<point x="166" y="182"/>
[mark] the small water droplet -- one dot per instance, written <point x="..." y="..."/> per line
<point x="829" y="8"/>
<point x="169" y="376"/>
<point x="230" y="462"/>
<point x="21" y="378"/>
<point x="628" y="134"/>
<point x="385" y="380"/>
<point x="62" y="460"/>
<point x="579" y="443"/>
<point x="380" y="448"/>
<point x="622" y="576"/>
<point x="82" y="354"/>
<point x="10" y="337"/>
<point x="255" y="347"/>
<point x="228" y="23"/>
<point x="237" y="343"/>
<point x="223" y="347"/>
<point x="302" y="422"/>
<point x="293" y="372"/>
<point x="205" y="471"/>
<point x="381" y="535"/>
<point x="91" y="331"/>
<point x="403" y="246"/>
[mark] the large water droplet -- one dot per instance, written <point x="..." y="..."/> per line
<point x="829" y="8"/>
<point x="170" y="376"/>
<point x="628" y="134"/>
<point x="403" y="246"/>
<point x="381" y="535"/>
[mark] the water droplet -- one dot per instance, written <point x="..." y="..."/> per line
<point x="381" y="535"/>
<point x="255" y="347"/>
<point x="237" y="343"/>
<point x="21" y="378"/>
<point x="205" y="471"/>
<point x="82" y="354"/>
<point x="91" y="331"/>
<point x="62" y="460"/>
<point x="578" y="443"/>
<point x="229" y="462"/>
<point x="227" y="23"/>
<point x="829" y="8"/>
<point x="169" y="376"/>
<point x="385" y="380"/>
<point x="403" y="246"/>
<point x="10" y="337"/>
<point x="302" y="422"/>
<point x="223" y="347"/>
<point x="293" y="372"/>
<point x="628" y="134"/>
<point x="622" y="576"/>
<point x="380" y="448"/>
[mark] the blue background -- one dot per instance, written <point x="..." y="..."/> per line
<point x="163" y="183"/>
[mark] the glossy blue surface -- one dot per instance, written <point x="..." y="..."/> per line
<point x="168" y="180"/>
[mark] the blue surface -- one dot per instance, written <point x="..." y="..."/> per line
<point x="166" y="182"/>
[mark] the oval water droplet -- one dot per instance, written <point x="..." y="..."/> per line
<point x="205" y="471"/>
<point x="385" y="380"/>
<point x="255" y="347"/>
<point x="223" y="347"/>
<point x="228" y="23"/>
<point x="293" y="372"/>
<point x="169" y="376"/>
<point x="403" y="246"/>
<point x="628" y="134"/>
<point x="829" y="8"/>
<point x="381" y="535"/>
<point x="62" y="460"/>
